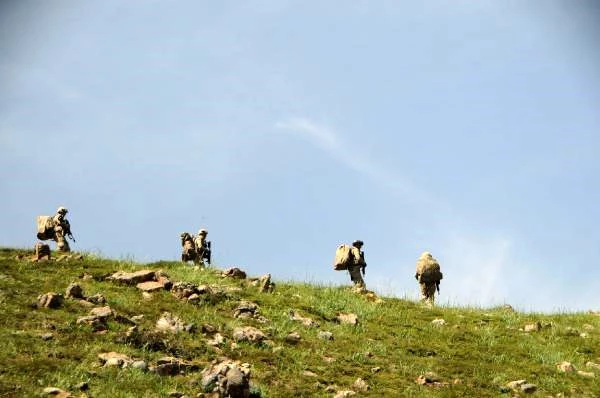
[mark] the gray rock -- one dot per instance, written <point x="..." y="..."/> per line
<point x="47" y="336"/>
<point x="74" y="291"/>
<point x="293" y="338"/>
<point x="234" y="272"/>
<point x="133" y="278"/>
<point x="325" y="335"/>
<point x="249" y="334"/>
<point x="351" y="319"/>
<point x="50" y="300"/>
<point x="141" y="365"/>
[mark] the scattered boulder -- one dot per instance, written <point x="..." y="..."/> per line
<point x="50" y="300"/>
<point x="154" y="286"/>
<point x="133" y="278"/>
<point x="430" y="379"/>
<point x="227" y="379"/>
<point x="293" y="338"/>
<point x="295" y="316"/>
<point x="234" y="272"/>
<point x="47" y="336"/>
<point x="74" y="291"/>
<point x="97" y="299"/>
<point x="102" y="312"/>
<point x="592" y="365"/>
<point x="56" y="392"/>
<point x="438" y="322"/>
<point x="141" y="365"/>
<point x="171" y="366"/>
<point x="246" y="309"/>
<point x="590" y="375"/>
<point x="83" y="386"/>
<point x="566" y="367"/>
<point x="325" y="335"/>
<point x="515" y="385"/>
<point x="108" y="359"/>
<point x="533" y="327"/>
<point x="172" y="323"/>
<point x="249" y="334"/>
<point x="376" y="369"/>
<point x="360" y="385"/>
<point x="351" y="319"/>
<point x="216" y="340"/>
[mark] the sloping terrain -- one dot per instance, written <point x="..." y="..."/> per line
<point x="304" y="340"/>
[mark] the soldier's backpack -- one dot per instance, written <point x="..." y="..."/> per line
<point x="45" y="227"/>
<point x="428" y="270"/>
<point x="343" y="257"/>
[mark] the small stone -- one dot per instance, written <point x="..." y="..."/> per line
<point x="293" y="337"/>
<point x="516" y="384"/>
<point x="438" y="322"/>
<point x="376" y="369"/>
<point x="141" y="365"/>
<point x="360" y="385"/>
<point x="50" y="300"/>
<point x="326" y="335"/>
<point x="101" y="312"/>
<point x="47" y="336"/>
<point x="590" y="375"/>
<point x="176" y="394"/>
<point x="351" y="319"/>
<point x="566" y="367"/>
<point x="592" y="365"/>
<point x="533" y="327"/>
<point x="308" y="373"/>
<point x="74" y="291"/>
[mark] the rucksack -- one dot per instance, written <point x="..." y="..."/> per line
<point x="428" y="270"/>
<point x="343" y="257"/>
<point x="45" y="227"/>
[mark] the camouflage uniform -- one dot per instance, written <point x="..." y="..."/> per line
<point x="426" y="289"/>
<point x="189" y="250"/>
<point x="201" y="244"/>
<point x="357" y="263"/>
<point x="62" y="227"/>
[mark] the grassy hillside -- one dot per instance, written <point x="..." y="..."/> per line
<point x="474" y="353"/>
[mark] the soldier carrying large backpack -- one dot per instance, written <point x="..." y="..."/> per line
<point x="352" y="258"/>
<point x="429" y="276"/>
<point x="57" y="228"/>
<point x="189" y="252"/>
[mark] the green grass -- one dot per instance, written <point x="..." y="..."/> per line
<point x="477" y="351"/>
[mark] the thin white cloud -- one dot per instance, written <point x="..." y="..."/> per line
<point x="331" y="142"/>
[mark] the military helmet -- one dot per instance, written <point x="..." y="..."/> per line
<point x="358" y="242"/>
<point x="202" y="232"/>
<point x="62" y="210"/>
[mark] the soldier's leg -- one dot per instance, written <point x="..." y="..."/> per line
<point x="430" y="291"/>
<point x="61" y="242"/>
<point x="356" y="277"/>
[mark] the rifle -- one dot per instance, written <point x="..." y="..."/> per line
<point x="362" y="268"/>
<point x="437" y="286"/>
<point x="67" y="229"/>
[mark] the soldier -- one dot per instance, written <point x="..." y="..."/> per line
<point x="62" y="229"/>
<point x="357" y="264"/>
<point x="189" y="252"/>
<point x="429" y="276"/>
<point x="202" y="246"/>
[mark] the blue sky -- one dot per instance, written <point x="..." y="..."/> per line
<point x="466" y="128"/>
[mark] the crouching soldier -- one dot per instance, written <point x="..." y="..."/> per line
<point x="188" y="252"/>
<point x="428" y="275"/>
